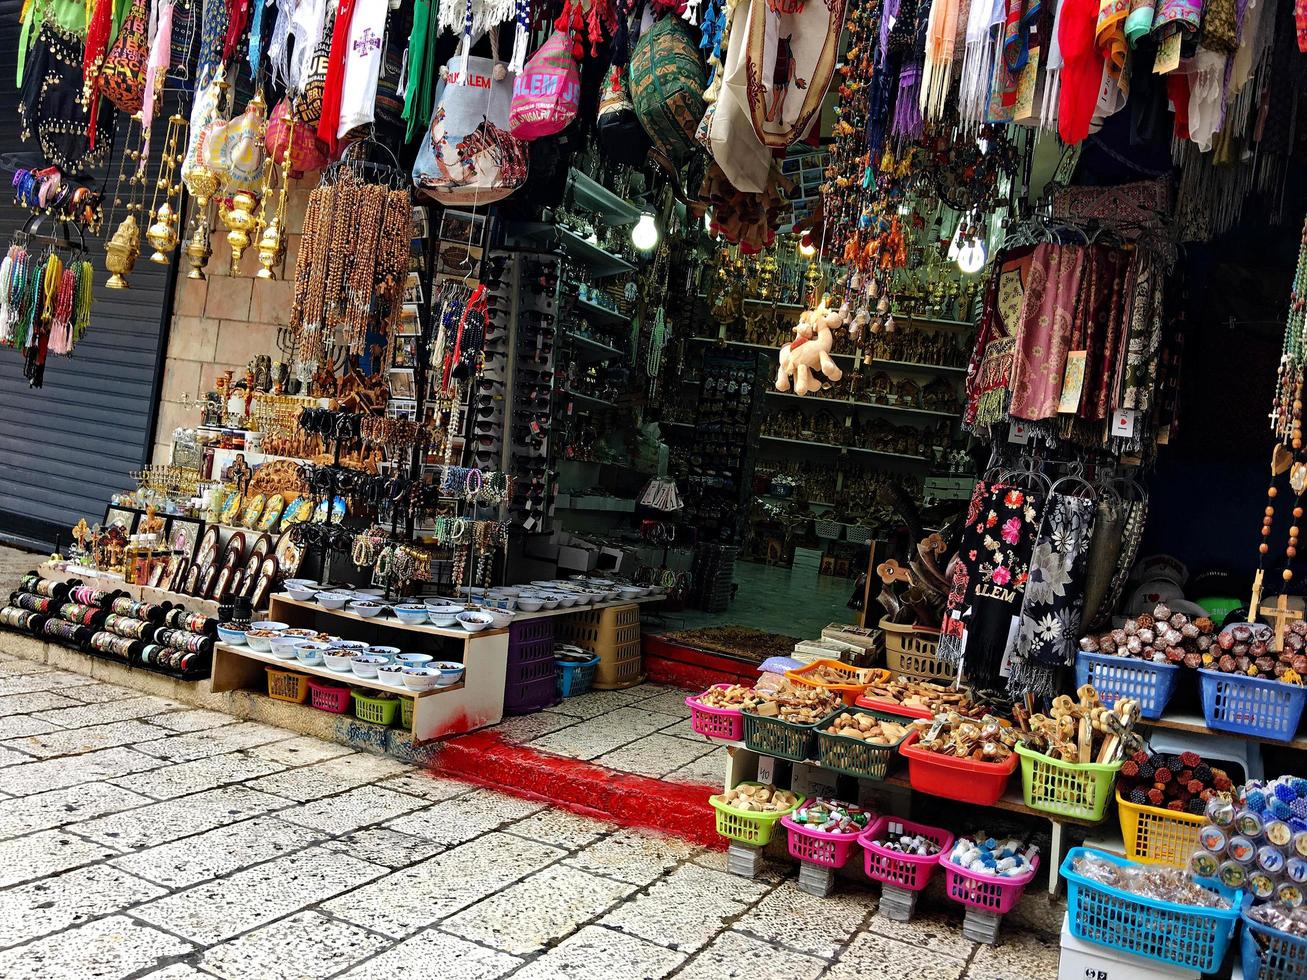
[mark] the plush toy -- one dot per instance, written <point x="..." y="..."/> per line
<point x="809" y="351"/>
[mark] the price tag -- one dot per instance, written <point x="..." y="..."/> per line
<point x="1123" y="422"/>
<point x="1168" y="55"/>
<point x="1018" y="432"/>
<point x="1073" y="382"/>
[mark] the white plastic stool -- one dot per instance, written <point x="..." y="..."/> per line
<point x="1245" y="753"/>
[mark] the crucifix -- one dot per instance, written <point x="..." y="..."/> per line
<point x="1279" y="615"/>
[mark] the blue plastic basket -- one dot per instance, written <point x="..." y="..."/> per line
<point x="1151" y="684"/>
<point x="1182" y="935"/>
<point x="574" y="678"/>
<point x="1269" y="954"/>
<point x="1251" y="706"/>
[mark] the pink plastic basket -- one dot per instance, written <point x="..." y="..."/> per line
<point x="984" y="892"/>
<point x="723" y="723"/>
<point x="326" y="696"/>
<point x="907" y="871"/>
<point x="827" y="850"/>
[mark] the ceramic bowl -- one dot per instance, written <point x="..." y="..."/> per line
<point x="269" y="624"/>
<point x="365" y="666"/>
<point x="301" y="593"/>
<point x="474" y="622"/>
<point x="375" y="593"/>
<point x="411" y="615"/>
<point x="365" y="609"/>
<point x="333" y="600"/>
<point x="549" y="600"/>
<point x="499" y="618"/>
<point x="301" y="583"/>
<point x="351" y="647"/>
<point x="380" y="651"/>
<point x="451" y="672"/>
<point x="530" y="603"/>
<point x="236" y="637"/>
<point x="630" y="592"/>
<point x="340" y="662"/>
<point x="390" y="672"/>
<point x="420" y="678"/>
<point x="310" y="653"/>
<point x="261" y="639"/>
<point x="414" y="659"/>
<point x="510" y="591"/>
<point x="444" y="615"/>
<point x="283" y="646"/>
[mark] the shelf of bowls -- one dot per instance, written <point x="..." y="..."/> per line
<point x="435" y="666"/>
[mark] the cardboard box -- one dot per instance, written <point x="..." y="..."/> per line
<point x="576" y="559"/>
<point x="813" y="780"/>
<point x="1089" y="961"/>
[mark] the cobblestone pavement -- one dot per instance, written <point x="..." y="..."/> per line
<point x="143" y="838"/>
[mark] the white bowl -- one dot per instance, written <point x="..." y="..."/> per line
<point x="630" y="592"/>
<point x="474" y="622"/>
<point x="444" y="615"/>
<point x="550" y="601"/>
<point x="301" y="593"/>
<point x="235" y="637"/>
<point x="284" y="646"/>
<point x="269" y="624"/>
<point x="390" y="672"/>
<point x="510" y="591"/>
<point x="374" y="593"/>
<point x="301" y="583"/>
<point x="263" y="644"/>
<point x="411" y="615"/>
<point x="354" y="647"/>
<point x="451" y="672"/>
<point x="499" y="618"/>
<point x="365" y="666"/>
<point x="341" y="663"/>
<point x="380" y="651"/>
<point x="420" y="678"/>
<point x="414" y="659"/>
<point x="366" y="609"/>
<point x="334" y="600"/>
<point x="530" y="603"/>
<point x="310" y="653"/>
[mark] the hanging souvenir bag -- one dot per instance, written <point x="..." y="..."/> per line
<point x="790" y="59"/>
<point x="731" y="139"/>
<point x="234" y="149"/>
<point x="308" y="107"/>
<point x="122" y="77"/>
<point x="468" y="156"/>
<point x="621" y="136"/>
<point x="547" y="93"/>
<point x="667" y="83"/>
<point x="307" y="152"/>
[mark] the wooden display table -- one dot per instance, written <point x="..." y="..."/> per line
<point x="474" y="703"/>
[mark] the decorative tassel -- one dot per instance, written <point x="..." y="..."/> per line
<point x="908" y="124"/>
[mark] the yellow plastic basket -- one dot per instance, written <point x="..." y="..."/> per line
<point x="746" y="826"/>
<point x="1081" y="790"/>
<point x="1156" y="835"/>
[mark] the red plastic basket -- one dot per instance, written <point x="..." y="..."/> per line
<point x="724" y="723"/>
<point x="827" y="850"/>
<point x="982" y="783"/>
<point x="326" y="696"/>
<point x="985" y="892"/>
<point x="893" y="708"/>
<point x="909" y="871"/>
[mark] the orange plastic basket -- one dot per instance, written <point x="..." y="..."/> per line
<point x="849" y="691"/>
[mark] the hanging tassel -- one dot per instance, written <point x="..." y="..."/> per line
<point x="521" y="36"/>
<point x="908" y="124"/>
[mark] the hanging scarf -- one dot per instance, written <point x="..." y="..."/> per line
<point x="978" y="61"/>
<point x="156" y="71"/>
<point x="988" y="581"/>
<point x="98" y="27"/>
<point x="1047" y="324"/>
<point x="1082" y="69"/>
<point x="990" y="373"/>
<point x="936" y="75"/>
<point x="1300" y="23"/>
<point x="1137" y="374"/>
<point x="908" y="124"/>
<point x="1206" y="97"/>
<point x="1109" y="35"/>
<point x="1176" y="15"/>
<point x="254" y="52"/>
<point x="329" y="120"/>
<point x="1053" y="75"/>
<point x="1104" y="551"/>
<point x="419" y="86"/>
<point x="363" y="58"/>
<point x="278" y="45"/>
<point x="1102" y="333"/>
<point x="238" y="15"/>
<point x="1132" y="533"/>
<point x="213" y="32"/>
<point x="1055" y="595"/>
<point x="1139" y="21"/>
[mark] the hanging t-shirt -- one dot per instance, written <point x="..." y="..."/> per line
<point x="363" y="60"/>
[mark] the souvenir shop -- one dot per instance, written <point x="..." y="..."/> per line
<point x="894" y="374"/>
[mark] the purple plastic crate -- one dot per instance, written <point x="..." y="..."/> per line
<point x="530" y="641"/>
<point x="530" y="685"/>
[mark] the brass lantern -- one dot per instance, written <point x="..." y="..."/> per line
<point x="121" y="252"/>
<point x="241" y="221"/>
<point x="203" y="184"/>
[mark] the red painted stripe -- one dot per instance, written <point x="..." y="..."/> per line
<point x="487" y="759"/>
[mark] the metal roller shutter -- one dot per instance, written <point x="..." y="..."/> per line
<point x="67" y="447"/>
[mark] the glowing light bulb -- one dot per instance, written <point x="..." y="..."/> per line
<point x="972" y="258"/>
<point x="806" y="248"/>
<point x="644" y="236"/>
<point x="953" y="247"/>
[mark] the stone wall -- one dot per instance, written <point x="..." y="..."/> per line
<point x="222" y="322"/>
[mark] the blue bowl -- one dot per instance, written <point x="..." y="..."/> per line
<point x="235" y="637"/>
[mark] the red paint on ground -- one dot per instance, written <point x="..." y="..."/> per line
<point x="669" y="662"/>
<point x="487" y="759"/>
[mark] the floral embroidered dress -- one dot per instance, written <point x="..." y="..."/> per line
<point x="988" y="580"/>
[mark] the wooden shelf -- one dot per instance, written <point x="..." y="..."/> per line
<point x="1197" y="725"/>
<point x="842" y="448"/>
<point x="385" y="621"/>
<point x="345" y="677"/>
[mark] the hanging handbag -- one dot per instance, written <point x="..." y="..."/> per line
<point x="731" y="138"/>
<point x="308" y="107"/>
<point x="547" y="93"/>
<point x="234" y="150"/>
<point x="307" y="152"/>
<point x="667" y="83"/>
<point x="790" y="60"/>
<point x="122" y="77"/>
<point x="468" y="157"/>
<point x="621" y="136"/>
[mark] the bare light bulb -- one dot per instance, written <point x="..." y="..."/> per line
<point x="644" y="236"/>
<point x="972" y="258"/>
<point x="806" y="248"/>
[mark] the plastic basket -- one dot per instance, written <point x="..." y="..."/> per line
<point x="855" y="757"/>
<point x="723" y="723"/>
<point x="857" y="534"/>
<point x="824" y="850"/>
<point x="618" y="669"/>
<point x="849" y="691"/>
<point x="1270" y="954"/>
<point x="1081" y="790"/>
<point x="988" y="893"/>
<point x="326" y="696"/>
<point x="380" y="709"/>
<point x="573" y="677"/>
<point x="601" y="630"/>
<point x="892" y="708"/>
<point x="780" y="739"/>
<point x="1151" y="684"/>
<point x="957" y="779"/>
<point x="406" y="706"/>
<point x="1181" y="935"/>
<point x="745" y="826"/>
<point x="828" y="530"/>
<point x="286" y="685"/>
<point x="908" y="871"/>
<point x="1155" y="835"/>
<point x="1251" y="706"/>
<point x="910" y="651"/>
<point x="530" y="631"/>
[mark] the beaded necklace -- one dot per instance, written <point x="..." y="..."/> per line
<point x="1289" y="378"/>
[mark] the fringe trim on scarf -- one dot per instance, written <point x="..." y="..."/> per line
<point x="950" y="649"/>
<point x="1027" y="677"/>
<point x="907" y="113"/>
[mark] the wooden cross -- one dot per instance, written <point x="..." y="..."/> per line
<point x="1280" y="615"/>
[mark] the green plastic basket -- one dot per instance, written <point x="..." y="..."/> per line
<point x="380" y="709"/>
<point x="746" y="826"/>
<point x="781" y="739"/>
<point x="1080" y="790"/>
<point x="406" y="713"/>
<point x="854" y="757"/>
